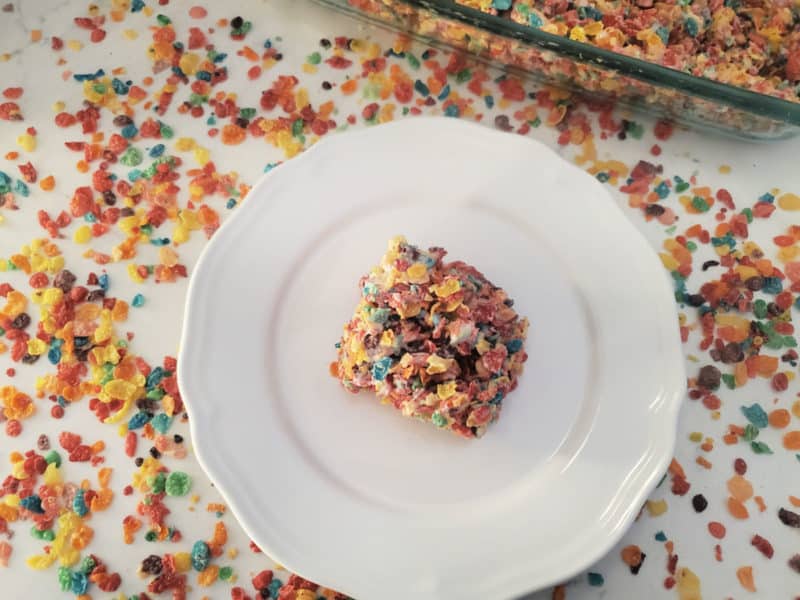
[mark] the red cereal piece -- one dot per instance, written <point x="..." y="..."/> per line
<point x="762" y="546"/>
<point x="69" y="441"/>
<point x="131" y="440"/>
<point x="716" y="529"/>
<point x="65" y="119"/>
<point x="12" y="93"/>
<point x="262" y="580"/>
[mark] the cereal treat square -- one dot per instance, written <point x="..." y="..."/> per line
<point x="436" y="340"/>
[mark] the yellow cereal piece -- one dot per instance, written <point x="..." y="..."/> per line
<point x="180" y="234"/>
<point x="36" y="347"/>
<point x="189" y="62"/>
<point x="120" y="389"/>
<point x="593" y="28"/>
<point x="448" y="287"/>
<point x="58" y="106"/>
<point x="688" y="585"/>
<point x="696" y="436"/>
<point x="656" y="508"/>
<point x="183" y="562"/>
<point x="437" y="364"/>
<point x="105" y="354"/>
<point x="445" y="390"/>
<point x="301" y="98"/>
<point x="130" y="34"/>
<point x="40" y="563"/>
<point x="669" y="261"/>
<point x="168" y="405"/>
<point x="387" y="338"/>
<point x="310" y="69"/>
<point x="417" y="273"/>
<point x="185" y="144"/>
<point x="52" y="296"/>
<point x="134" y="274"/>
<point x="305" y="595"/>
<point x="578" y="34"/>
<point x="82" y="235"/>
<point x="202" y="155"/>
<point x="12" y="500"/>
<point x="27" y="142"/>
<point x="789" y="201"/>
<point x="52" y="475"/>
<point x="788" y="253"/>
<point x="483" y="345"/>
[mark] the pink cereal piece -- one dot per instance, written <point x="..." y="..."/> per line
<point x="198" y="12"/>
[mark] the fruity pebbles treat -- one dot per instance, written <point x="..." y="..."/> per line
<point x="435" y="339"/>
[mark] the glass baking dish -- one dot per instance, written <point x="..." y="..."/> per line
<point x="586" y="69"/>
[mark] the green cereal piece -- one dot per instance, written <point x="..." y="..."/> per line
<point x="760" y="448"/>
<point x="159" y="481"/>
<point x="225" y="573"/>
<point x="131" y="157"/>
<point x="729" y="381"/>
<point x="750" y="432"/>
<point x="53" y="457"/>
<point x="700" y="204"/>
<point x="178" y="484"/>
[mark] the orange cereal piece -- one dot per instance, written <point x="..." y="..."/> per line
<point x="730" y="438"/>
<point x="232" y="135"/>
<point x="48" y="183"/>
<point x="36" y="35"/>
<point x="130" y="525"/>
<point x="208" y="575"/>
<point x="102" y="500"/>
<point x="760" y="503"/>
<point x="104" y="476"/>
<point x="791" y="441"/>
<point x="766" y="365"/>
<point x="631" y="555"/>
<point x="349" y="86"/>
<point x="745" y="577"/>
<point x="737" y="509"/>
<point x="740" y="488"/>
<point x="795" y="501"/>
<point x="703" y="462"/>
<point x="779" y="418"/>
<point x="98" y="447"/>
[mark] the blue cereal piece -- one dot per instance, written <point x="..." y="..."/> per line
<point x="32" y="503"/>
<point x="79" y="504"/>
<point x="201" y="556"/>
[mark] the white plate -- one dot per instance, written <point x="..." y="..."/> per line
<point x="342" y="489"/>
